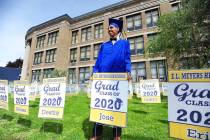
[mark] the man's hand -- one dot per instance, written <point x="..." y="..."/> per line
<point x="91" y="78"/>
<point x="129" y="76"/>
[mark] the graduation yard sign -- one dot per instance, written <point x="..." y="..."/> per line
<point x="33" y="91"/>
<point x="150" y="91"/>
<point x="52" y="99"/>
<point x="189" y="104"/>
<point x="4" y="94"/>
<point x="109" y="96"/>
<point x="21" y="97"/>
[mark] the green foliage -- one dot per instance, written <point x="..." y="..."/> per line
<point x="184" y="35"/>
<point x="145" y="121"/>
<point x="15" y="64"/>
<point x="58" y="73"/>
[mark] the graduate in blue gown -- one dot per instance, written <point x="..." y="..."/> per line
<point x="114" y="56"/>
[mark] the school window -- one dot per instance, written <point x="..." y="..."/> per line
<point x="96" y="51"/>
<point x="52" y="38"/>
<point x="158" y="70"/>
<point x="134" y="22"/>
<point x="136" y="45"/>
<point x="175" y="7"/>
<point x="99" y="31"/>
<point x="73" y="55"/>
<point x="75" y="37"/>
<point x="85" y="53"/>
<point x="138" y="71"/>
<point x="86" y="34"/>
<point x="36" y="75"/>
<point x="152" y="17"/>
<point x="40" y="41"/>
<point x="50" y="56"/>
<point x="72" y="76"/>
<point x="38" y="58"/>
<point x="48" y="73"/>
<point x="84" y="74"/>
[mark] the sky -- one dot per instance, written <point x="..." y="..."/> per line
<point x="17" y="16"/>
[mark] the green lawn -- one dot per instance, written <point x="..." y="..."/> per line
<point x="145" y="122"/>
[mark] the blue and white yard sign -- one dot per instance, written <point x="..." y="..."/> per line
<point x="4" y="94"/>
<point x="109" y="99"/>
<point x="52" y="98"/>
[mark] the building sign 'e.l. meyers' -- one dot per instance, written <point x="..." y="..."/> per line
<point x="189" y="108"/>
<point x="189" y="76"/>
<point x="21" y="97"/>
<point x="109" y="96"/>
<point x="52" y="99"/>
<point x="4" y="94"/>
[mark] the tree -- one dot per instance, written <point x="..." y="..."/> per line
<point x="185" y="35"/>
<point x="15" y="64"/>
<point x="58" y="73"/>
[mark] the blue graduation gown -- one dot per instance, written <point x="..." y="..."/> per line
<point x="114" y="58"/>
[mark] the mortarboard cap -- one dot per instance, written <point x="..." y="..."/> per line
<point x="117" y="22"/>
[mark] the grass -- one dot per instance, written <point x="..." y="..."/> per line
<point x="145" y="122"/>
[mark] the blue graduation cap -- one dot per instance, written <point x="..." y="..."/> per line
<point x="117" y="23"/>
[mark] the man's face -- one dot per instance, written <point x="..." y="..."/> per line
<point x="113" y="31"/>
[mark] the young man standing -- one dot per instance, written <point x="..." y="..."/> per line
<point x="114" y="57"/>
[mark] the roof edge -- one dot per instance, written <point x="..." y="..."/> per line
<point x="49" y="22"/>
<point x="104" y="9"/>
<point x="80" y="17"/>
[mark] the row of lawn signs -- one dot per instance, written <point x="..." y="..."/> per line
<point x="188" y="100"/>
<point x="52" y="97"/>
<point x="108" y="101"/>
<point x="148" y="90"/>
<point x="70" y="88"/>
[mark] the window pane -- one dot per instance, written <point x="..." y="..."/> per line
<point x="83" y="37"/>
<point x="140" y="45"/>
<point x="138" y="71"/>
<point x="99" y="31"/>
<point x="52" y="38"/>
<point x="154" y="70"/>
<point x="155" y="18"/>
<point x="154" y="73"/>
<point x="132" y="46"/>
<point x="149" y="21"/>
<point x="50" y="56"/>
<point x="72" y="76"/>
<point x="96" y="50"/>
<point x="129" y="23"/>
<point x="38" y="58"/>
<point x="73" y="55"/>
<point x="152" y="17"/>
<point x="35" y="75"/>
<point x="40" y="41"/>
<point x="136" y="45"/>
<point x="85" y="53"/>
<point x="137" y="22"/>
<point x="74" y="37"/>
<point x="158" y="70"/>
